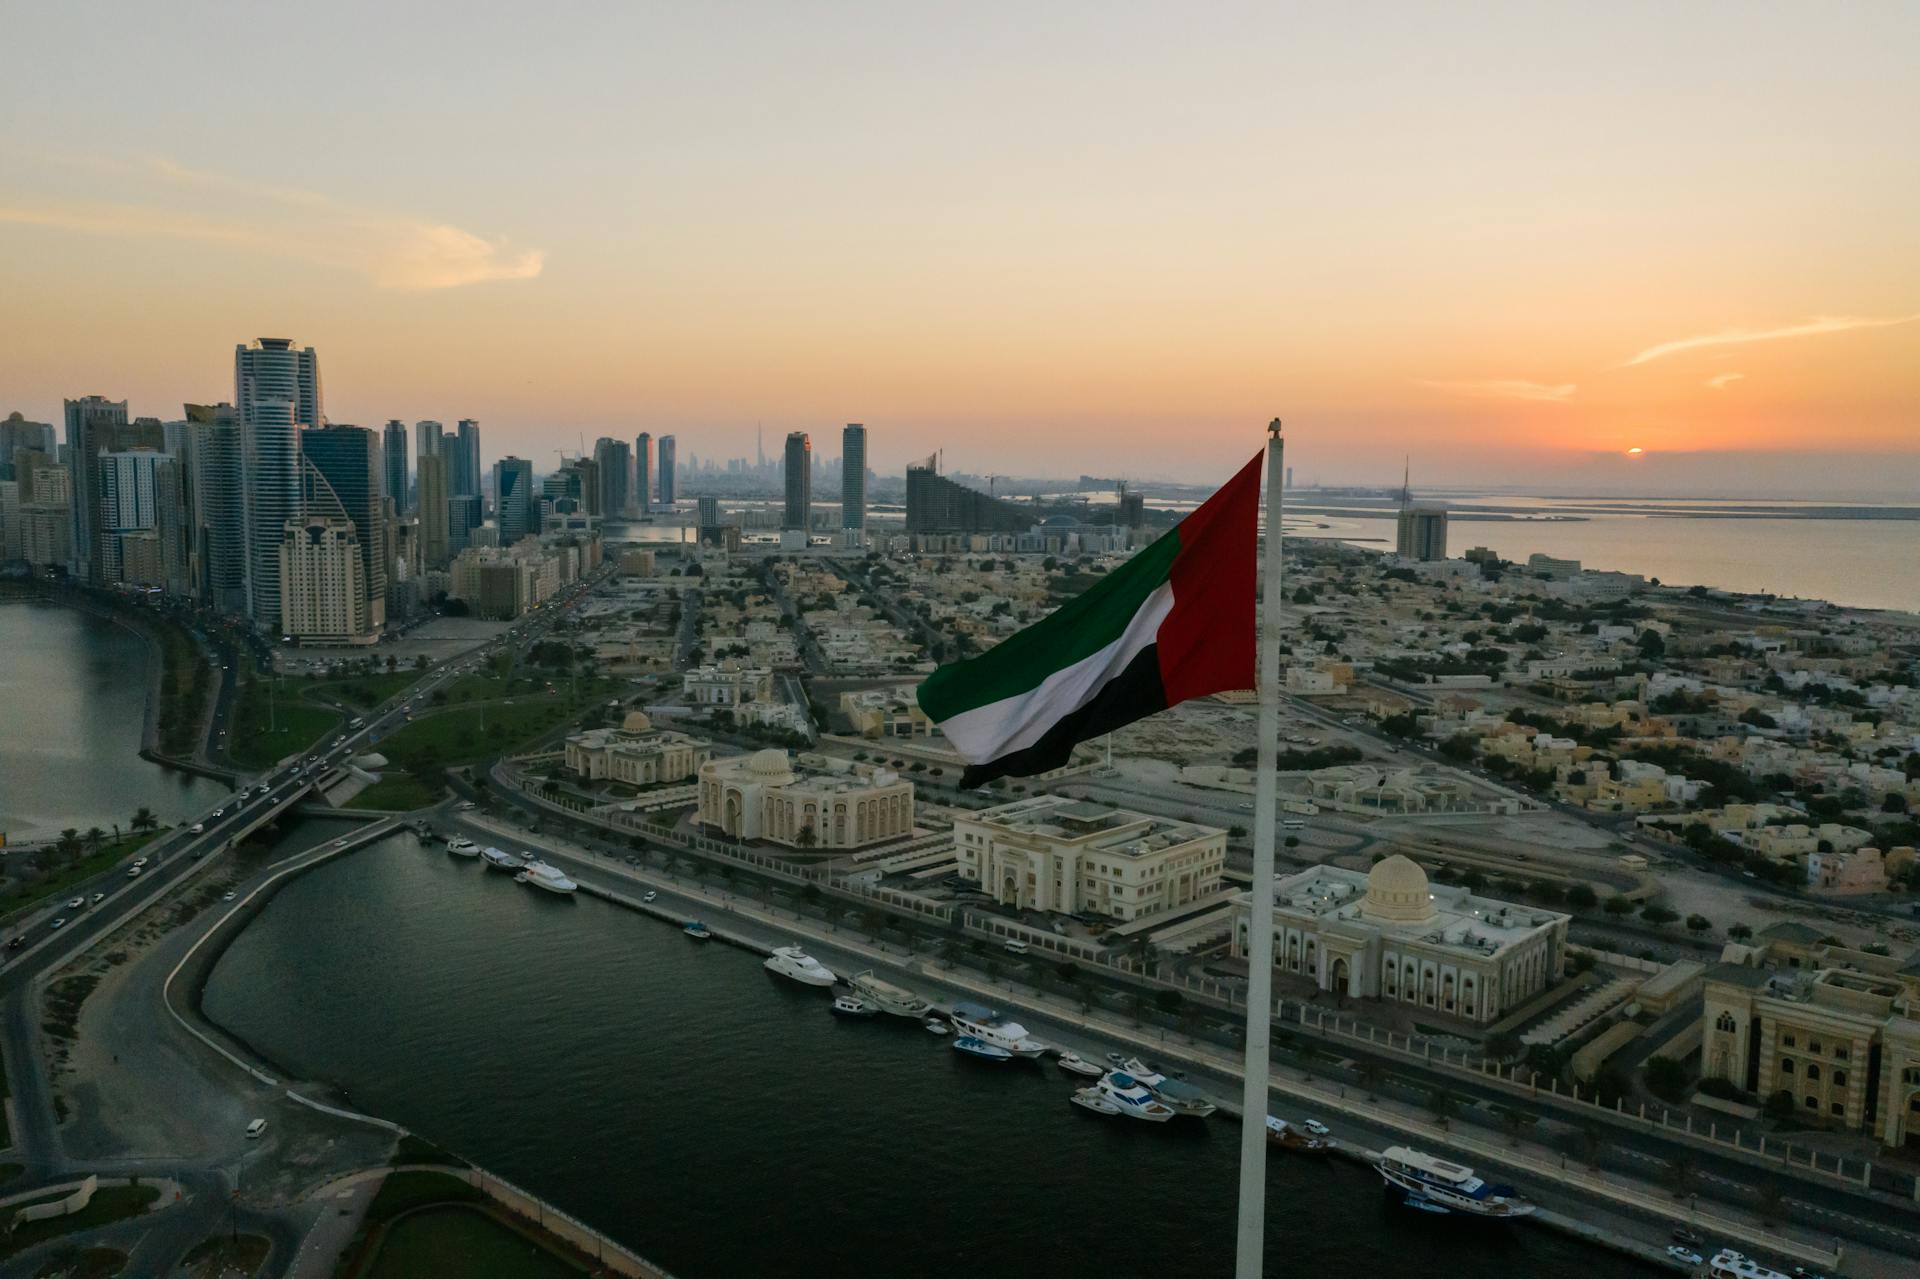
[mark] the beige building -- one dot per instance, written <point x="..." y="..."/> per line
<point x="637" y="753"/>
<point x="1842" y="1042"/>
<point x="1053" y="853"/>
<point x="818" y="803"/>
<point x="886" y="712"/>
<point x="321" y="596"/>
<point x="727" y="684"/>
<point x="1391" y="935"/>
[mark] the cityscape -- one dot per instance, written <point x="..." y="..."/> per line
<point x="1120" y="803"/>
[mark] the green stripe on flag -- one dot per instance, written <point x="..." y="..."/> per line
<point x="1071" y="633"/>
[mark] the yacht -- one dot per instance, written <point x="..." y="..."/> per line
<point x="853" y="1006"/>
<point x="697" y="930"/>
<point x="1132" y="1097"/>
<point x="1090" y="1099"/>
<point x="540" y="875"/>
<point x="974" y="1046"/>
<point x="887" y="997"/>
<point x="497" y="860"/>
<point x="1177" y="1093"/>
<point x="934" y="1026"/>
<point x="1286" y="1136"/>
<point x="791" y="961"/>
<point x="461" y="846"/>
<point x="988" y="1026"/>
<point x="1075" y="1064"/>
<point x="1422" y="1180"/>
<point x="1728" y="1264"/>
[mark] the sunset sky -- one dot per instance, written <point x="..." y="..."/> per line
<point x="1513" y="241"/>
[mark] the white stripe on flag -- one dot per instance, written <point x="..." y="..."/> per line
<point x="1017" y="722"/>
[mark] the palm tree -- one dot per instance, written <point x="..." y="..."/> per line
<point x="95" y="837"/>
<point x="1440" y="1103"/>
<point x="144" y="819"/>
<point x="1368" y="1073"/>
<point x="67" y="846"/>
<point x="1768" y="1198"/>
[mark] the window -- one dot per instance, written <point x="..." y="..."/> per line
<point x="1725" y="1023"/>
<point x="1813" y="1070"/>
<point x="1839" y="1052"/>
<point x="1813" y="1103"/>
<point x="1813" y="1046"/>
<point x="1787" y="1040"/>
<point x="1786" y="1065"/>
<point x="1839" y="1079"/>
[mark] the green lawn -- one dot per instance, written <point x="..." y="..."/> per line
<point x="456" y="1240"/>
<point x="84" y="869"/>
<point x="365" y="690"/>
<point x="295" y="725"/>
<point x="404" y="1190"/>
<point x="110" y="1204"/>
<point x="396" y="793"/>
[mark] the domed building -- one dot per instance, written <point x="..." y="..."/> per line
<point x="1390" y="934"/>
<point x="636" y="753"/>
<point x="817" y="803"/>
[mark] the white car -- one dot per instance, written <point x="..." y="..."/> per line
<point x="255" y="1128"/>
<point x="1317" y="1128"/>
<point x="76" y="903"/>
<point x="198" y="828"/>
<point x="219" y="812"/>
<point x="59" y="923"/>
<point x="1684" y="1256"/>
<point x="98" y="898"/>
<point x="229" y="897"/>
<point x="649" y="897"/>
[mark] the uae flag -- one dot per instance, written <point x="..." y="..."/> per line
<point x="1176" y="621"/>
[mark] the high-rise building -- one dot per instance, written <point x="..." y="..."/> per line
<point x="1422" y="533"/>
<point x="394" y="442"/>
<point x="513" y="498"/>
<point x="666" y="471"/>
<point x="709" y="511"/>
<point x="642" y="473"/>
<point x="93" y="423"/>
<point x="141" y="515"/>
<point x="429" y="439"/>
<point x="322" y="595"/>
<point x="853" y="476"/>
<point x="350" y="462"/>
<point x="936" y="504"/>
<point x="463" y="471"/>
<point x="434" y="536"/>
<point x="799" y="476"/>
<point x="465" y="513"/>
<point x="18" y="433"/>
<point x="277" y="392"/>
<point x="46" y="510"/>
<point x="615" y="458"/>
<point x="217" y="513"/>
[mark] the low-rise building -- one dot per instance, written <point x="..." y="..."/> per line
<point x="727" y="684"/>
<point x="815" y="804"/>
<point x="637" y="753"/>
<point x="886" y="712"/>
<point x="1053" y="853"/>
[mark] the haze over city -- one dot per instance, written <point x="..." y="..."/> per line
<point x="1512" y="242"/>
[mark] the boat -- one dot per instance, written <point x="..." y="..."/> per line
<point x="1284" y="1135"/>
<point x="461" y="846"/>
<point x="1177" y="1093"/>
<point x="1132" y="1097"/>
<point x="697" y="930"/>
<point x="887" y="997"/>
<point x="1450" y="1186"/>
<point x="1728" y="1264"/>
<point x="974" y="1046"/>
<point x="540" y="875"/>
<point x="987" y="1025"/>
<point x="934" y="1026"/>
<point x="498" y="860"/>
<point x="851" y="1006"/>
<point x="791" y="961"/>
<point x="1090" y="1099"/>
<point x="1075" y="1064"/>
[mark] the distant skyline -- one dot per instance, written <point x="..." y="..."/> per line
<point x="1511" y="243"/>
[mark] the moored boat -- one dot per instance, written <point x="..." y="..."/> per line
<point x="887" y="997"/>
<point x="1182" y="1096"/>
<point x="497" y="859"/>
<point x="990" y="1027"/>
<point x="974" y="1046"/>
<point x="1089" y="1098"/>
<point x="791" y="961"/>
<point x="853" y="1006"/>
<point x="1075" y="1064"/>
<point x="540" y="875"/>
<point x="934" y="1026"/>
<point x="1449" y="1186"/>
<point x="697" y="930"/>
<point x="460" y="846"/>
<point x="1284" y="1135"/>
<point x="1133" y="1098"/>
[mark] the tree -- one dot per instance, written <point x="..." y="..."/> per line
<point x="1502" y="1046"/>
<point x="1170" y="1002"/>
<point x="1441" y="1105"/>
<point x="1656" y="914"/>
<point x="143" y="819"/>
<point x="1768" y="1198"/>
<point x="1617" y="905"/>
<point x="1369" y="1074"/>
<point x="1779" y="1106"/>
<point x="1740" y="932"/>
<point x="806" y="837"/>
<point x="1581" y="897"/>
<point x="95" y="837"/>
<point x="1699" y="925"/>
<point x="1667" y="1078"/>
<point x="1680" y="1174"/>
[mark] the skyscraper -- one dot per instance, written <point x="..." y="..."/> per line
<point x="276" y="391"/>
<point x="217" y="521"/>
<point x="433" y="510"/>
<point x="799" y="470"/>
<point x="666" y="471"/>
<point x="18" y="433"/>
<point x="428" y="438"/>
<point x="1421" y="530"/>
<point x="323" y="596"/>
<point x="93" y="423"/>
<point x="853" y="476"/>
<point x="463" y="469"/>
<point x="513" y="498"/>
<point x="350" y="463"/>
<point x="643" y="473"/>
<point x="395" y="442"/>
<point x="615" y="459"/>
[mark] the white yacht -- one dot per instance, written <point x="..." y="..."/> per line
<point x="1132" y="1097"/>
<point x="887" y="997"/>
<point x="1075" y="1064"/>
<point x="791" y="961"/>
<point x="502" y="861"/>
<point x="1181" y="1095"/>
<point x="540" y="875"/>
<point x="1433" y="1184"/>
<point x="460" y="846"/>
<point x="853" y="1006"/>
<point x="1090" y="1099"/>
<point x="989" y="1027"/>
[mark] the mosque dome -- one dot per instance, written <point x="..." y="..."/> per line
<point x="636" y="722"/>
<point x="770" y="765"/>
<point x="1397" y="891"/>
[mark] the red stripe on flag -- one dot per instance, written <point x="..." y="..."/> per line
<point x="1206" y="644"/>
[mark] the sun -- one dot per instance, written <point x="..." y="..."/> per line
<point x="1635" y="451"/>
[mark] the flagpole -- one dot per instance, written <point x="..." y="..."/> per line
<point x="1251" y="1251"/>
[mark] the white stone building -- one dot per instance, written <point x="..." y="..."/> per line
<point x="728" y="684"/>
<point x="637" y="753"/>
<point x="1053" y="853"/>
<point x="820" y="804"/>
<point x="321" y="598"/>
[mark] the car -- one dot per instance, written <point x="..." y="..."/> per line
<point x="76" y="903"/>
<point x="229" y="897"/>
<point x="1685" y="1256"/>
<point x="141" y="862"/>
<point x="198" y="828"/>
<point x="649" y="897"/>
<point x="219" y="812"/>
<point x="98" y="898"/>
<point x="255" y="1128"/>
<point x="133" y="872"/>
<point x="60" y="923"/>
<point x="1315" y="1127"/>
<point x="15" y="943"/>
